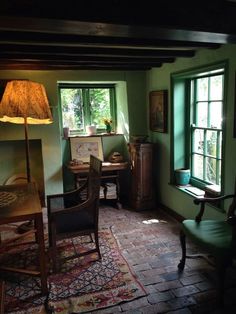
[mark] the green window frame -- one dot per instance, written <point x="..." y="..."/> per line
<point x="185" y="129"/>
<point x="85" y="110"/>
<point x="206" y="128"/>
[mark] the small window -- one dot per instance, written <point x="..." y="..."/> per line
<point x="83" y="105"/>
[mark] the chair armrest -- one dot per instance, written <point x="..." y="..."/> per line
<point x="70" y="193"/>
<point x="64" y="200"/>
<point x="82" y="206"/>
<point x="199" y="200"/>
<point x="203" y="200"/>
<point x="232" y="220"/>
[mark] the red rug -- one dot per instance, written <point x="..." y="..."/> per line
<point x="82" y="285"/>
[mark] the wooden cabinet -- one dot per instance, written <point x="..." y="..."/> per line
<point x="141" y="158"/>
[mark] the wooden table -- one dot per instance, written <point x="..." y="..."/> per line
<point x="21" y="203"/>
<point x="110" y="171"/>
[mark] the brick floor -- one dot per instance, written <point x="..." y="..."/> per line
<point x="149" y="240"/>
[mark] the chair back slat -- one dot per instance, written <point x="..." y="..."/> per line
<point x="94" y="177"/>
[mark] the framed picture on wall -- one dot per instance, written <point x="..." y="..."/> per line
<point x="82" y="147"/>
<point x="158" y="110"/>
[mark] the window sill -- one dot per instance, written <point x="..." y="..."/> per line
<point x="93" y="135"/>
<point x="190" y="190"/>
<point x="183" y="189"/>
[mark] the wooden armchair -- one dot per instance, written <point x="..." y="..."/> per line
<point x="218" y="238"/>
<point x="69" y="216"/>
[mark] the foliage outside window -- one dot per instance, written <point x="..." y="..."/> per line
<point x="198" y="124"/>
<point x="83" y="105"/>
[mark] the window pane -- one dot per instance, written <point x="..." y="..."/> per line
<point x="216" y="87"/>
<point x="219" y="179"/>
<point x="202" y="89"/>
<point x="220" y="145"/>
<point x="211" y="138"/>
<point x="211" y="170"/>
<point x="198" y="141"/>
<point x="100" y="105"/>
<point x="202" y="113"/>
<point x="197" y="166"/>
<point x="72" y="108"/>
<point x="216" y="115"/>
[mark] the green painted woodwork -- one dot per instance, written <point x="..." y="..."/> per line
<point x="160" y="78"/>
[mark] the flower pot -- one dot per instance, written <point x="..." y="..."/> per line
<point x="108" y="128"/>
<point x="182" y="176"/>
<point x="91" y="129"/>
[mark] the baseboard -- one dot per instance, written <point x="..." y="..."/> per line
<point x="171" y="212"/>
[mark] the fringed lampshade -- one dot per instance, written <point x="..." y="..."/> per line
<point x="25" y="102"/>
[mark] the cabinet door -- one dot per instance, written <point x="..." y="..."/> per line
<point x="145" y="173"/>
<point x="142" y="180"/>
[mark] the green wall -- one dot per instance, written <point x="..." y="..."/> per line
<point x="133" y="89"/>
<point x="131" y="117"/>
<point x="158" y="79"/>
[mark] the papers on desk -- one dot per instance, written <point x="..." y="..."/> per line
<point x="106" y="163"/>
<point x="111" y="190"/>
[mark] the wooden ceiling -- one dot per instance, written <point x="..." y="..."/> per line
<point x="110" y="35"/>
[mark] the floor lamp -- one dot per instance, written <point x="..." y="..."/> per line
<point x="25" y="102"/>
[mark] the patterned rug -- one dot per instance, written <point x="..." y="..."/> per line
<point x="83" y="284"/>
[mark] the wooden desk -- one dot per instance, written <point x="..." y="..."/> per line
<point x="110" y="171"/>
<point x="22" y="203"/>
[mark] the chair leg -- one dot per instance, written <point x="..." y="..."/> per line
<point x="53" y="249"/>
<point x="54" y="257"/>
<point x="97" y="244"/>
<point x="183" y="246"/>
<point x="221" y="270"/>
<point x="2" y="296"/>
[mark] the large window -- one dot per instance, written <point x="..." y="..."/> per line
<point x="83" y="105"/>
<point x="206" y="128"/>
<point x="198" y="124"/>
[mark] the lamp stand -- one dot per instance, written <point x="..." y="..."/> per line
<point x="26" y="226"/>
<point x="27" y="151"/>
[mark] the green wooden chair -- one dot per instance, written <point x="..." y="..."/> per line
<point x="218" y="238"/>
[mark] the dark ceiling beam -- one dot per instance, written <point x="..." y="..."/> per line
<point x="78" y="28"/>
<point x="38" y="39"/>
<point x="82" y="51"/>
<point x="75" y="60"/>
<point x="95" y="66"/>
<point x="212" y="15"/>
<point x="83" y="61"/>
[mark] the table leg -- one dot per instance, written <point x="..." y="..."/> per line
<point x="118" y="203"/>
<point x="41" y="251"/>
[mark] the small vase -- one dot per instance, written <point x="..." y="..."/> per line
<point x="182" y="176"/>
<point x="108" y="128"/>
